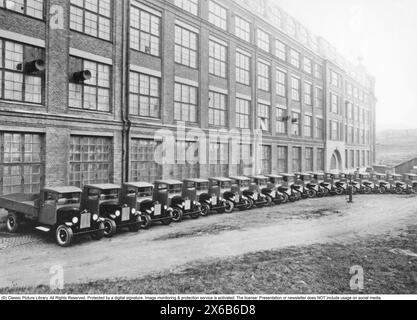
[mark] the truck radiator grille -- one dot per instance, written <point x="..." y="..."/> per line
<point x="85" y="221"/>
<point x="125" y="214"/>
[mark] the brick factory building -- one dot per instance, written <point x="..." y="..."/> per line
<point x="86" y="86"/>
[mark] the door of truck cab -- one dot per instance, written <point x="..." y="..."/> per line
<point x="47" y="208"/>
<point x="91" y="200"/>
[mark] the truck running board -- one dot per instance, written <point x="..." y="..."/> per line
<point x="43" y="229"/>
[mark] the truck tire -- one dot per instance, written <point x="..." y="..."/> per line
<point x="110" y="228"/>
<point x="205" y="210"/>
<point x="399" y="190"/>
<point x="269" y="201"/>
<point x="177" y="215"/>
<point x="98" y="235"/>
<point x="12" y="222"/>
<point x="136" y="227"/>
<point x="229" y="206"/>
<point x="312" y="194"/>
<point x="64" y="236"/>
<point x="147" y="221"/>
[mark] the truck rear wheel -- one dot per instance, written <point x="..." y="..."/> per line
<point x="177" y="215"/>
<point x="205" y="209"/>
<point x="99" y="234"/>
<point x="136" y="227"/>
<point x="147" y="221"/>
<point x="110" y="228"/>
<point x="12" y="222"/>
<point x="64" y="236"/>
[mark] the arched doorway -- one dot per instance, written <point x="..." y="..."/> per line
<point x="336" y="161"/>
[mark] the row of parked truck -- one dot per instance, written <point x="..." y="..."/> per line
<point x="100" y="210"/>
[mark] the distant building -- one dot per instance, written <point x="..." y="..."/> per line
<point x="85" y="86"/>
<point x="409" y="166"/>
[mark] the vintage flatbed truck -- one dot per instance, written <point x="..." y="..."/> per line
<point x="53" y="210"/>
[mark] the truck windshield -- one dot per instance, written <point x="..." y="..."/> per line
<point x="226" y="185"/>
<point x="111" y="194"/>
<point x="262" y="183"/>
<point x="174" y="189"/>
<point x="69" y="198"/>
<point x="202" y="187"/>
<point x="145" y="192"/>
<point x="244" y="183"/>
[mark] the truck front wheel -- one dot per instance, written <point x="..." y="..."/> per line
<point x="64" y="236"/>
<point x="109" y="228"/>
<point x="13" y="222"/>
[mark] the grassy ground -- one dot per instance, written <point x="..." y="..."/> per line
<point x="316" y="269"/>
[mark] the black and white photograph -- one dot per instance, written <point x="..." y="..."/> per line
<point x="208" y="149"/>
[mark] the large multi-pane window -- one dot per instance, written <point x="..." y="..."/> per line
<point x="217" y="109"/>
<point x="334" y="103"/>
<point x="334" y="130"/>
<point x="309" y="162"/>
<point x="144" y="95"/>
<point x="281" y="50"/>
<point x="282" y="159"/>
<point x="319" y="128"/>
<point x="264" y="74"/>
<point x="320" y="159"/>
<point x="145" y="31"/>
<point x="242" y="114"/>
<point x="243" y="62"/>
<point x="33" y="8"/>
<point x="21" y="163"/>
<point x="296" y="159"/>
<point x="185" y="103"/>
<point x="263" y="40"/>
<point x="264" y="117"/>
<point x="91" y="160"/>
<point x="281" y="83"/>
<point x="295" y="58"/>
<point x="92" y="17"/>
<point x="16" y="83"/>
<point x="188" y="5"/>
<point x="318" y="71"/>
<point x="265" y="159"/>
<point x="295" y="89"/>
<point x="217" y="59"/>
<point x="308" y="94"/>
<point x="296" y="124"/>
<point x="219" y="159"/>
<point x="242" y="28"/>
<point x="92" y="94"/>
<point x="217" y="15"/>
<point x="186" y="47"/>
<point x="335" y="79"/>
<point x="307" y="65"/>
<point x="144" y="160"/>
<point x="187" y="165"/>
<point x="319" y="98"/>
<point x="246" y="161"/>
<point x="282" y="121"/>
<point x="308" y="126"/>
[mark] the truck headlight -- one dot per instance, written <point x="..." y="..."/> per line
<point x="117" y="213"/>
<point x="133" y="210"/>
<point x="75" y="220"/>
<point x="95" y="217"/>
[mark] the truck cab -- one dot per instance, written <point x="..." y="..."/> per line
<point x="220" y="190"/>
<point x="282" y="192"/>
<point x="411" y="180"/>
<point x="139" y="195"/>
<point x="105" y="200"/>
<point x="262" y="194"/>
<point x="241" y="191"/>
<point x="295" y="188"/>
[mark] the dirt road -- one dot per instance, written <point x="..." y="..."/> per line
<point x="27" y="260"/>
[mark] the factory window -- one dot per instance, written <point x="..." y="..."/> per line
<point x="295" y="58"/>
<point x="352" y="158"/>
<point x="145" y="31"/>
<point x="281" y="83"/>
<point x="319" y="128"/>
<point x="281" y="50"/>
<point x="296" y="159"/>
<point x="296" y="124"/>
<point x="282" y="121"/>
<point x="217" y="15"/>
<point x="263" y="40"/>
<point x="308" y="126"/>
<point x="18" y="82"/>
<point x="92" y="17"/>
<point x="144" y="166"/>
<point x="308" y="65"/>
<point x="282" y="159"/>
<point x="186" y="47"/>
<point x="242" y="114"/>
<point x="188" y="5"/>
<point x="33" y="8"/>
<point x="217" y="109"/>
<point x="144" y="95"/>
<point x="309" y="166"/>
<point x="349" y="110"/>
<point x="319" y="98"/>
<point x="217" y="59"/>
<point x="318" y="71"/>
<point x="91" y="160"/>
<point x="295" y="89"/>
<point x="334" y="102"/>
<point x="219" y="159"/>
<point x="265" y="159"/>
<point x="264" y="117"/>
<point x="94" y="93"/>
<point x="350" y="135"/>
<point x="246" y="161"/>
<point x="242" y="29"/>
<point x="334" y="130"/>
<point x="320" y="159"/>
<point x="335" y="79"/>
<point x="264" y="75"/>
<point x="185" y="103"/>
<point x="187" y="165"/>
<point x="243" y="68"/>
<point x="349" y="89"/>
<point x="291" y="26"/>
<point x="21" y="163"/>
<point x="308" y="94"/>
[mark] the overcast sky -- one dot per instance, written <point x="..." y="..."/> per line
<point x="384" y="33"/>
